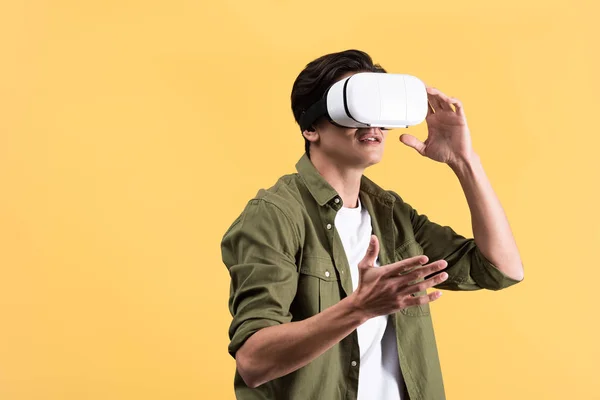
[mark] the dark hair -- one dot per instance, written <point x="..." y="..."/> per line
<point x="320" y="74"/>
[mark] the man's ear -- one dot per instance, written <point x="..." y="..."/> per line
<point x="311" y="134"/>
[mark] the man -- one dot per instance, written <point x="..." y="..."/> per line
<point x="329" y="271"/>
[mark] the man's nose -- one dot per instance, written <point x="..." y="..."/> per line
<point x="374" y="129"/>
<point x="369" y="130"/>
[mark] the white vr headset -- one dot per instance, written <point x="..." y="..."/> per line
<point x="371" y="99"/>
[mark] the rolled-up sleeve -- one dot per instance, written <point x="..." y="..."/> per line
<point x="259" y="251"/>
<point x="468" y="269"/>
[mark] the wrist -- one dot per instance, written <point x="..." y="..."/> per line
<point x="465" y="165"/>
<point x="354" y="310"/>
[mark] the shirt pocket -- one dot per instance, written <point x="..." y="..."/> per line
<point x="407" y="250"/>
<point x="318" y="285"/>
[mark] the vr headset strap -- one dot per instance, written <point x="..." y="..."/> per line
<point x="313" y="113"/>
<point x="319" y="109"/>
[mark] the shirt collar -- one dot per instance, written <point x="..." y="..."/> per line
<point x="323" y="192"/>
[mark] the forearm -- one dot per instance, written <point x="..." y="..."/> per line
<point x="491" y="229"/>
<point x="278" y="350"/>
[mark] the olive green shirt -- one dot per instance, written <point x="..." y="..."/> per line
<point x="287" y="263"/>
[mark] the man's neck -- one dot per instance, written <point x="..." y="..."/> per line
<point x="345" y="181"/>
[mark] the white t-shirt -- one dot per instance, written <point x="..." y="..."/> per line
<point x="379" y="375"/>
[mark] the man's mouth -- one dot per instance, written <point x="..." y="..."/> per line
<point x="370" y="138"/>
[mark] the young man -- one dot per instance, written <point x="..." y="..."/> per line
<point x="329" y="271"/>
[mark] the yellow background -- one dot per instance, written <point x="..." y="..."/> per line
<point x="133" y="132"/>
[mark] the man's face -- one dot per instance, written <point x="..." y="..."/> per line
<point x="351" y="147"/>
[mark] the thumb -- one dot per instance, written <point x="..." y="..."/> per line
<point x="413" y="142"/>
<point x="368" y="260"/>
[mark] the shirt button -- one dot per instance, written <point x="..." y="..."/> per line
<point x="337" y="200"/>
<point x="327" y="274"/>
<point x="328" y="226"/>
<point x="353" y="363"/>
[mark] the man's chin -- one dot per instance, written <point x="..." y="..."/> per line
<point x="355" y="159"/>
<point x="373" y="163"/>
<point x="374" y="158"/>
<point x="370" y="161"/>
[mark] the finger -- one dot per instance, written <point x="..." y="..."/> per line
<point x="410" y="277"/>
<point x="413" y="142"/>
<point x="439" y="100"/>
<point x="434" y="102"/>
<point x="424" y="285"/>
<point x="444" y="102"/>
<point x="430" y="110"/>
<point x="417" y="300"/>
<point x="371" y="255"/>
<point x="403" y="266"/>
<point x="458" y="105"/>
